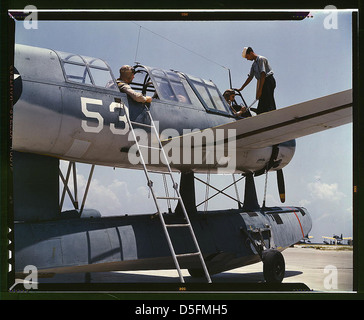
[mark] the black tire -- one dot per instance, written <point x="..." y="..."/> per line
<point x="273" y="266"/>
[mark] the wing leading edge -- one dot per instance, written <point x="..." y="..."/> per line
<point x="289" y="123"/>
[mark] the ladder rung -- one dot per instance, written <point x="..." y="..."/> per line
<point x="168" y="198"/>
<point x="141" y="124"/>
<point x="177" y="225"/>
<point x="187" y="254"/>
<point x="161" y="172"/>
<point x="149" y="147"/>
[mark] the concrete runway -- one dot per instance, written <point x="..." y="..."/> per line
<point x="320" y="270"/>
<point x="326" y="270"/>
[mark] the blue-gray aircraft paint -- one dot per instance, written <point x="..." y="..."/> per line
<point x="52" y="241"/>
<point x="50" y="106"/>
<point x="138" y="242"/>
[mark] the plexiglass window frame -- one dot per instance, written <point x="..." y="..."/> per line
<point x="95" y="73"/>
<point x="209" y="95"/>
<point x="171" y="87"/>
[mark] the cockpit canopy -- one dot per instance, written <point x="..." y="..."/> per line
<point x="179" y="88"/>
<point x="87" y="70"/>
<point x="169" y="86"/>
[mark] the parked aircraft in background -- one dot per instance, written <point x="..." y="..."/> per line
<point x="335" y="239"/>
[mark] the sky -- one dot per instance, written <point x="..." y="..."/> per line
<point x="310" y="59"/>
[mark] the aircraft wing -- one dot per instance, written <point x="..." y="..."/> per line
<point x="289" y="123"/>
<point x="331" y="238"/>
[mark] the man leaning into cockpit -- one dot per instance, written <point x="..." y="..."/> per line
<point x="123" y="82"/>
<point x="229" y="96"/>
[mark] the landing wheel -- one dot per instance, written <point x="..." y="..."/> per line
<point x="273" y="266"/>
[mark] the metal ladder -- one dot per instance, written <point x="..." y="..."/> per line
<point x="168" y="198"/>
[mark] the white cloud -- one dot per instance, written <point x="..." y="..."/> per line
<point x="116" y="198"/>
<point x="304" y="203"/>
<point x="324" y="191"/>
<point x="110" y="197"/>
<point x="323" y="216"/>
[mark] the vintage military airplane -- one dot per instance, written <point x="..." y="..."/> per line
<point x="67" y="106"/>
<point x="335" y="239"/>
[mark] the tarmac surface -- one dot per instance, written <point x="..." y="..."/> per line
<point x="319" y="267"/>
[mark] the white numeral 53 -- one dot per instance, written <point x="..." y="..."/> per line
<point x="100" y="120"/>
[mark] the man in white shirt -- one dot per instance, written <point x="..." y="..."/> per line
<point x="262" y="71"/>
<point x="126" y="77"/>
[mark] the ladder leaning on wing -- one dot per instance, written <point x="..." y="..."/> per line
<point x="177" y="197"/>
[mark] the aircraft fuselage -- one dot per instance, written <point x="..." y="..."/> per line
<point x="82" y="122"/>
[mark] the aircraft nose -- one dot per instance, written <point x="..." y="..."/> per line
<point x="17" y="86"/>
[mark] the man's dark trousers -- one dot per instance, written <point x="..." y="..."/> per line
<point x="266" y="101"/>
